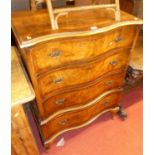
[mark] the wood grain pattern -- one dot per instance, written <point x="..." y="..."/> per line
<point x="75" y="118"/>
<point x="70" y="77"/>
<point x="69" y="50"/>
<point x="82" y="95"/>
<point x="30" y="64"/>
<point x="68" y="25"/>
<point x="112" y="110"/>
<point x="22" y="140"/>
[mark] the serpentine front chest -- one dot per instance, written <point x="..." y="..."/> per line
<point x="78" y="70"/>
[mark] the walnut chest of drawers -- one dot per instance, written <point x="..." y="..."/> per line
<point x="77" y="71"/>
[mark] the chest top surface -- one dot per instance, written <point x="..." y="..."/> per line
<point x="32" y="27"/>
<point x="21" y="89"/>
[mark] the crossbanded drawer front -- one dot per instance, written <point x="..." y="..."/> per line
<point x="76" y="118"/>
<point x="64" y="51"/>
<point x="75" y="75"/>
<point x="82" y="95"/>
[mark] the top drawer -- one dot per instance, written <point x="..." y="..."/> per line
<point x="64" y="51"/>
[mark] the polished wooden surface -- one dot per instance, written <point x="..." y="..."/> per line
<point x="22" y="140"/>
<point x="21" y="89"/>
<point x="72" y="76"/>
<point x="75" y="118"/>
<point x="70" y="99"/>
<point x="65" y="51"/>
<point x="70" y="66"/>
<point x="69" y="26"/>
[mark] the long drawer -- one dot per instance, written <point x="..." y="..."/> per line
<point x="81" y="95"/>
<point x="59" y="52"/>
<point x="82" y="73"/>
<point x="77" y="118"/>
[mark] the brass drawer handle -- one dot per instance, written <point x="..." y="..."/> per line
<point x="109" y="83"/>
<point x="118" y="39"/>
<point x="60" y="101"/>
<point x="59" y="80"/>
<point x="55" y="53"/>
<point x="114" y="62"/>
<point x="105" y="103"/>
<point x="63" y="122"/>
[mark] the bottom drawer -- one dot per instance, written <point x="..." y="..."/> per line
<point x="81" y="116"/>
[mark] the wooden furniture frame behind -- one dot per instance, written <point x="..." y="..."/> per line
<point x="54" y="14"/>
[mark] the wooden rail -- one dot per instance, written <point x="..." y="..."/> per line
<point x="54" y="14"/>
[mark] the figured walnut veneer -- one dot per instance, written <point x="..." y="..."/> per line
<point x="69" y="50"/>
<point x="77" y="71"/>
